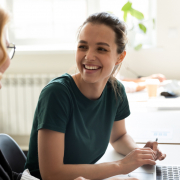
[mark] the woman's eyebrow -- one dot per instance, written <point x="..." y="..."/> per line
<point x="102" y="43"/>
<point x="99" y="43"/>
<point x="82" y="41"/>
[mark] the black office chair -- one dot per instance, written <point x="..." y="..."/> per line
<point x="12" y="152"/>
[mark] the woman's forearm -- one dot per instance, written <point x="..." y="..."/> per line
<point x="124" y="144"/>
<point x="88" y="171"/>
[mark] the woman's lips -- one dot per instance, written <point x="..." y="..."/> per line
<point x="90" y="71"/>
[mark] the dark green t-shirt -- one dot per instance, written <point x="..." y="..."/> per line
<point x="86" y="123"/>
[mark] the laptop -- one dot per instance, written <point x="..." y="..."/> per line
<point x="157" y="172"/>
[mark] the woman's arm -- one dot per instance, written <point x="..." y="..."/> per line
<point x="51" y="154"/>
<point x="124" y="144"/>
<point x="160" y="77"/>
<point x="120" y="140"/>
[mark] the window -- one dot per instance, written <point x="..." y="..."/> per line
<point x="53" y="24"/>
<point x="46" y="22"/>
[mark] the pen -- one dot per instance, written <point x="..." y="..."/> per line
<point x="156" y="139"/>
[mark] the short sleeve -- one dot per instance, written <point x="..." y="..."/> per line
<point x="54" y="107"/>
<point x="123" y="110"/>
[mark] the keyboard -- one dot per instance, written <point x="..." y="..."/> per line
<point x="167" y="172"/>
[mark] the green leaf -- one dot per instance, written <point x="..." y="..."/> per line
<point x="136" y="14"/>
<point x="125" y="16"/>
<point x="127" y="6"/>
<point x="138" y="47"/>
<point x="142" y="27"/>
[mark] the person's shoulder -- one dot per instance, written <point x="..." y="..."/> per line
<point x="64" y="79"/>
<point x="59" y="84"/>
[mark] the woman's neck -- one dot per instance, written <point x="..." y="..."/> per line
<point x="92" y="91"/>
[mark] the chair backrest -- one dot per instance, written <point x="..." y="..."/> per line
<point x="12" y="152"/>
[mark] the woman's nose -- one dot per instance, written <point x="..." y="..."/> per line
<point x="90" y="55"/>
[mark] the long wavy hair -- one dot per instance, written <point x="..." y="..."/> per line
<point x="4" y="18"/>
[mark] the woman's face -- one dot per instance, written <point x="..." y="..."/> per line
<point x="96" y="54"/>
<point x="6" y="64"/>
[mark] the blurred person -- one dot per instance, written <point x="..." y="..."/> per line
<point x="134" y="85"/>
<point x="7" y="51"/>
<point x="4" y="44"/>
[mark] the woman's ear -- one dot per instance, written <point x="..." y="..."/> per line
<point x="121" y="57"/>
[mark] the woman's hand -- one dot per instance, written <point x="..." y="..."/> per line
<point x="154" y="146"/>
<point x="135" y="159"/>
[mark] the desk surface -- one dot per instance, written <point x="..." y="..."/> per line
<point x="153" y="118"/>
<point x="172" y="154"/>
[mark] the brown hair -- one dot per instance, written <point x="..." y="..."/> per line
<point x="4" y="18"/>
<point x="119" y="28"/>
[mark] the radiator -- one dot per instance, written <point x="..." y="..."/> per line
<point x="18" y="99"/>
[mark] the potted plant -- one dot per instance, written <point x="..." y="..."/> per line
<point x="129" y="15"/>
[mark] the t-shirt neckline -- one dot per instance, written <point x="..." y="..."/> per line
<point x="81" y="95"/>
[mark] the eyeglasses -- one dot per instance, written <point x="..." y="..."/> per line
<point x="11" y="50"/>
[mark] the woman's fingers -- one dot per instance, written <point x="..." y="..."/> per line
<point x="144" y="156"/>
<point x="147" y="156"/>
<point x="162" y="157"/>
<point x="148" y="151"/>
<point x="157" y="153"/>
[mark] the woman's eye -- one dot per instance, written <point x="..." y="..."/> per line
<point x="82" y="47"/>
<point x="102" y="49"/>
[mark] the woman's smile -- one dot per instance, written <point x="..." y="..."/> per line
<point x="90" y="69"/>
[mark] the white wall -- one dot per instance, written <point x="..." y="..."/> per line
<point x="165" y="58"/>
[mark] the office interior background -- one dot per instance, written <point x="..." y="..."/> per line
<point x="45" y="32"/>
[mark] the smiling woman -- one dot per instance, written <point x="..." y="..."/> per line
<point x="7" y="51"/>
<point x="77" y="116"/>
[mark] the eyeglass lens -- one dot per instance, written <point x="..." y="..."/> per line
<point x="10" y="52"/>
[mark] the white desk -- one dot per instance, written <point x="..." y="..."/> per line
<point x="152" y="118"/>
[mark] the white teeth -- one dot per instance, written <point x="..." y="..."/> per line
<point x="91" y="67"/>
